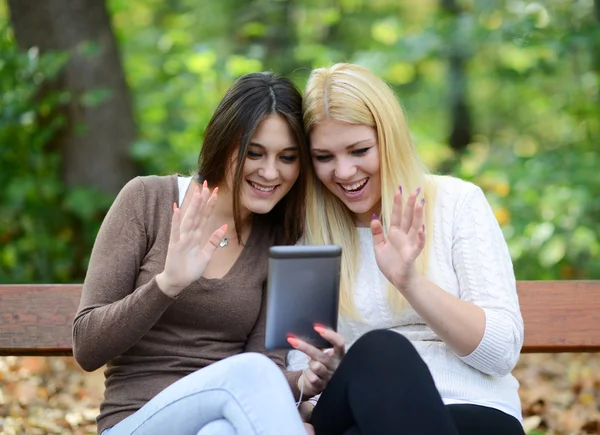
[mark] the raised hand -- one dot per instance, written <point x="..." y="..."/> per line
<point x="189" y="250"/>
<point x="322" y="364"/>
<point x="405" y="240"/>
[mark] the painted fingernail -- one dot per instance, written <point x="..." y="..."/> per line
<point x="374" y="217"/>
<point x="320" y="329"/>
<point x="292" y="341"/>
<point x="418" y="191"/>
<point x="400" y="189"/>
<point x="423" y="201"/>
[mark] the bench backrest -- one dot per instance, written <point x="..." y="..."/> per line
<point x="560" y="316"/>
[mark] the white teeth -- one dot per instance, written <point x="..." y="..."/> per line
<point x="262" y="188"/>
<point x="355" y="186"/>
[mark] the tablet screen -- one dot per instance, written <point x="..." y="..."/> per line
<point x="302" y="290"/>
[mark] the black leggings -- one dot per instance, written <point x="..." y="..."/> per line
<point x="382" y="387"/>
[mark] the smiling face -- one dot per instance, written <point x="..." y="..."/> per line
<point x="271" y="167"/>
<point x="346" y="160"/>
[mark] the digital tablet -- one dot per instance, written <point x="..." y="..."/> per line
<point x="302" y="290"/>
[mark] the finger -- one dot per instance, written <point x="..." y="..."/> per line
<point x="377" y="232"/>
<point x="208" y="208"/>
<point x="407" y="218"/>
<point x="309" y="349"/>
<point x="214" y="241"/>
<point x="422" y="237"/>
<point x="188" y="218"/>
<point x="417" y="222"/>
<point x="204" y="197"/>
<point x="320" y="370"/>
<point x="175" y="222"/>
<point x="315" y="382"/>
<point x="338" y="342"/>
<point x="396" y="218"/>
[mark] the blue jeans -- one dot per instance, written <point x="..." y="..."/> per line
<point x="245" y="394"/>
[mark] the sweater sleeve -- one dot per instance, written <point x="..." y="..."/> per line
<point x="113" y="315"/>
<point x="486" y="278"/>
<point x="256" y="343"/>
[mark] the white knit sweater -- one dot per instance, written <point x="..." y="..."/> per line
<point x="469" y="259"/>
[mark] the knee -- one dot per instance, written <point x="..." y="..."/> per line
<point x="380" y="349"/>
<point x="382" y="341"/>
<point x="218" y="427"/>
<point x="253" y="365"/>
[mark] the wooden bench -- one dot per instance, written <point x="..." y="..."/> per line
<point x="560" y="316"/>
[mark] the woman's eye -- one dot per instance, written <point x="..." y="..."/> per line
<point x="360" y="152"/>
<point x="289" y="159"/>
<point x="253" y="155"/>
<point x="323" y="158"/>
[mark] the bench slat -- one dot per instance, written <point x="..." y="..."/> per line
<point x="560" y="316"/>
<point x="37" y="319"/>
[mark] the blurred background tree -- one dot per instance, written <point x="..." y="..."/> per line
<point x="505" y="93"/>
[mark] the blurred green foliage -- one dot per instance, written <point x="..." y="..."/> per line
<point x="46" y="230"/>
<point x="532" y="84"/>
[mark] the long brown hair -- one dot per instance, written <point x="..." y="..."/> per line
<point x="249" y="100"/>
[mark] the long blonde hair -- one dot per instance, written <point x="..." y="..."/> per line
<point x="350" y="93"/>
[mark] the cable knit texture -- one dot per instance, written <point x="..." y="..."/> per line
<point x="469" y="259"/>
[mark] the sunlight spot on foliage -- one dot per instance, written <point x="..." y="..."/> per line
<point x="385" y="31"/>
<point x="525" y="146"/>
<point x="540" y="233"/>
<point x="351" y="5"/>
<point x="502" y="215"/>
<point x="240" y="65"/>
<point x="517" y="58"/>
<point x="492" y="21"/>
<point x="142" y="17"/>
<point x="201" y="62"/>
<point x="516" y="247"/>
<point x="475" y="157"/>
<point x="433" y="153"/>
<point x="9" y="256"/>
<point x="539" y="13"/>
<point x="584" y="241"/>
<point x="553" y="251"/>
<point x="502" y="188"/>
<point x="330" y="16"/>
<point x="432" y="69"/>
<point x="165" y="43"/>
<point x="254" y="29"/>
<point x="401" y="73"/>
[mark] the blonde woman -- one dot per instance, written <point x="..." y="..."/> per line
<point x="429" y="307"/>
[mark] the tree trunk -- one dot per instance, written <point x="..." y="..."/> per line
<point x="461" y="124"/>
<point x="100" y="127"/>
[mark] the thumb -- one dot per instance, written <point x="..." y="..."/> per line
<point x="377" y="233"/>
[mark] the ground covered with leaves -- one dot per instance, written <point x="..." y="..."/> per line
<point x="560" y="395"/>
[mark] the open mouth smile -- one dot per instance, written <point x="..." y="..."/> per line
<point x="262" y="190"/>
<point x="354" y="188"/>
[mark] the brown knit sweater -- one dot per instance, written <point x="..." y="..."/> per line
<point x="147" y="339"/>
